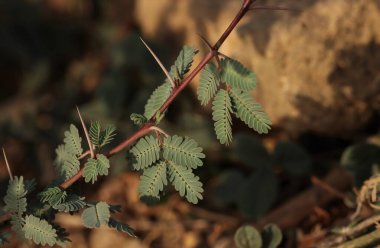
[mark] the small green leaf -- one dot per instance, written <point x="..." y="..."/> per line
<point x="95" y="167"/>
<point x="258" y="193"/>
<point x="272" y="236"/>
<point x="145" y="152"/>
<point x="248" y="237"/>
<point x="53" y="196"/>
<point x="293" y="158"/>
<point x="39" y="230"/>
<point x="153" y="180"/>
<point x="183" y="151"/>
<point x="359" y="160"/>
<point x="183" y="63"/>
<point x="221" y="114"/>
<point x="138" y="119"/>
<point x="73" y="141"/>
<point x="208" y="83"/>
<point x="236" y="75"/>
<point x="15" y="200"/>
<point x="73" y="203"/>
<point x="185" y="182"/>
<point x="96" y="215"/>
<point x="249" y="111"/>
<point x="156" y="100"/>
<point x="121" y="227"/>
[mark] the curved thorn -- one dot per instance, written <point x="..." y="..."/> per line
<point x="159" y="63"/>
<point x="86" y="133"/>
<point x="8" y="167"/>
<point x="205" y="41"/>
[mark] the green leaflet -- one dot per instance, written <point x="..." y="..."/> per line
<point x="121" y="227"/>
<point x="66" y="163"/>
<point x="183" y="63"/>
<point x="156" y="100"/>
<point x="73" y="141"/>
<point x="96" y="215"/>
<point x="53" y="196"/>
<point x="221" y="114"/>
<point x="183" y="151"/>
<point x="138" y="119"/>
<point x="40" y="231"/>
<point x="248" y="237"/>
<point x="153" y="180"/>
<point x="208" y="83"/>
<point x="95" y="167"/>
<point x="15" y="200"/>
<point x="249" y="111"/>
<point x="73" y="203"/>
<point x="100" y="137"/>
<point x="185" y="182"/>
<point x="236" y="75"/>
<point x="145" y="152"/>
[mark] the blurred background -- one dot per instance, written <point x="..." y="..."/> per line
<point x="318" y="70"/>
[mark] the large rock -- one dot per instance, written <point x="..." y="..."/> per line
<point x="318" y="66"/>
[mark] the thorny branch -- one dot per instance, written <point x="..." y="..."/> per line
<point x="146" y="128"/>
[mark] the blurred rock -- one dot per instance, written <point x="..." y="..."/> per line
<point x="317" y="66"/>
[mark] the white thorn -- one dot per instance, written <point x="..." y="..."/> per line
<point x="86" y="133"/>
<point x="8" y="167"/>
<point x="159" y="130"/>
<point x="159" y="63"/>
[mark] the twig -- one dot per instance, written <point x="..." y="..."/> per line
<point x="176" y="91"/>
<point x="327" y="187"/>
<point x="296" y="209"/>
<point x="8" y="167"/>
<point x="368" y="240"/>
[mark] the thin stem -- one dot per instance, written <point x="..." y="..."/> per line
<point x="8" y="167"/>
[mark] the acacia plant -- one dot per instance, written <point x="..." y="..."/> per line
<point x="162" y="158"/>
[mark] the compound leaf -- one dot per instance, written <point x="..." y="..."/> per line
<point x="39" y="230"/>
<point x="95" y="167"/>
<point x="185" y="182"/>
<point x="221" y="114"/>
<point x="183" y="63"/>
<point x="15" y="200"/>
<point x="53" y="196"/>
<point x="272" y="236"/>
<point x="183" y="151"/>
<point x="121" y="227"/>
<point x="157" y="98"/>
<point x="145" y="152"/>
<point x="73" y="141"/>
<point x="73" y="203"/>
<point x="208" y="83"/>
<point x="249" y="111"/>
<point x="96" y="215"/>
<point x="153" y="180"/>
<point x="236" y="75"/>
